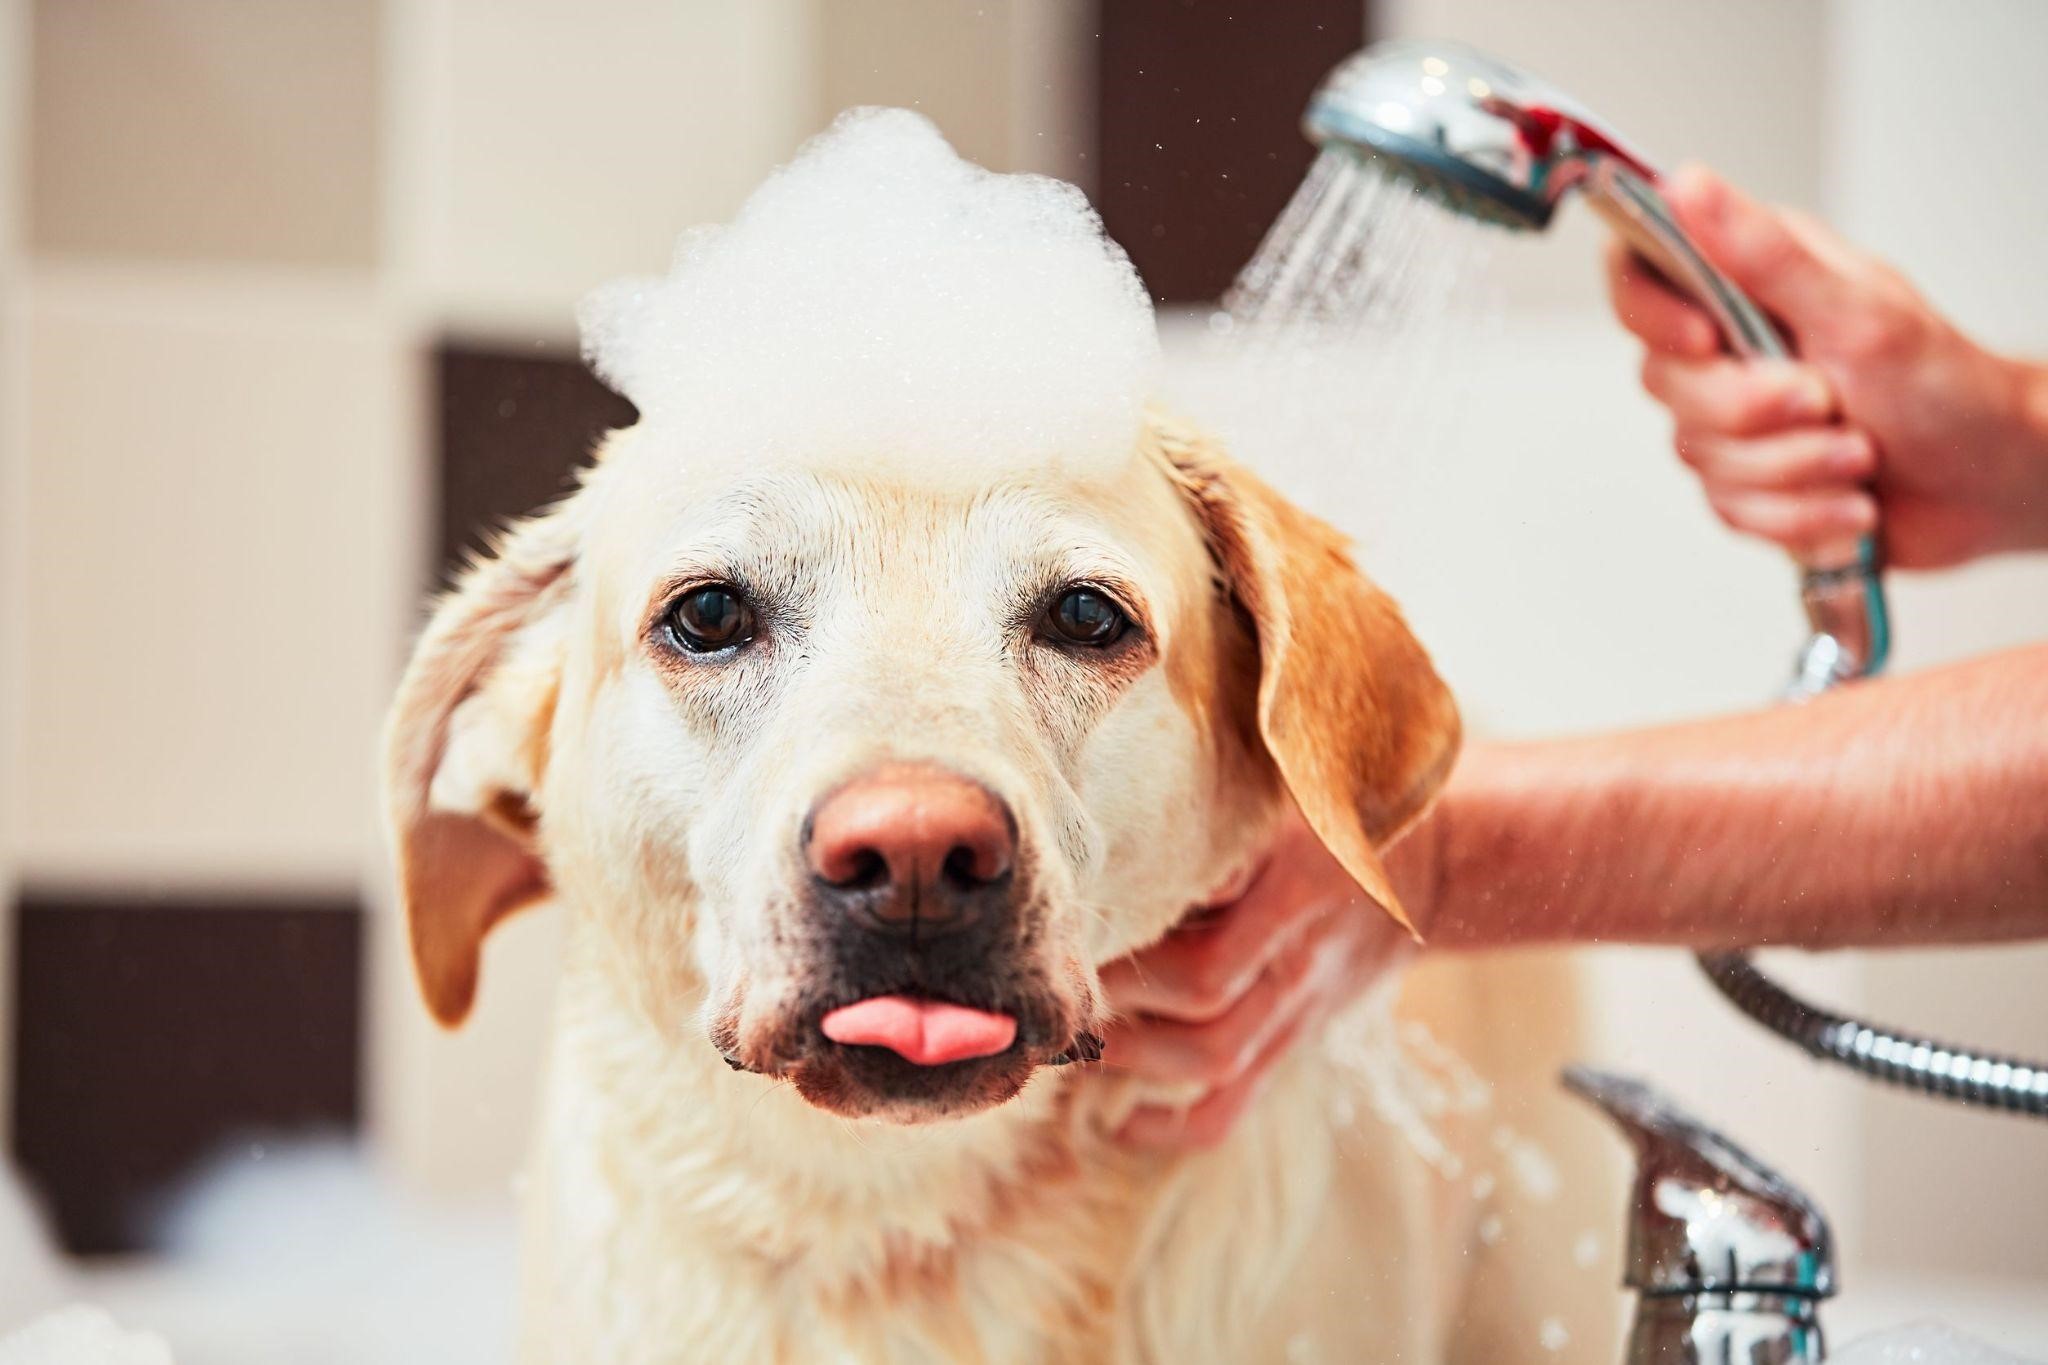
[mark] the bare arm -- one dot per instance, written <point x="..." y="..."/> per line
<point x="1902" y="811"/>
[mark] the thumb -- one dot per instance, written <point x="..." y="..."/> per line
<point x="1755" y="246"/>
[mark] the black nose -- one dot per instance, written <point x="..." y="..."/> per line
<point x="911" y="849"/>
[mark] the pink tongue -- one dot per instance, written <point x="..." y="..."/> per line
<point x="926" y="1032"/>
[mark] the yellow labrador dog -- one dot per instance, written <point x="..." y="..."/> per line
<point x="849" y="778"/>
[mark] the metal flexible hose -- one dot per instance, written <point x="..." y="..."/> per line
<point x="1901" y="1059"/>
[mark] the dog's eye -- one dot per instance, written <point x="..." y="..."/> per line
<point x="713" y="617"/>
<point x="1087" y="616"/>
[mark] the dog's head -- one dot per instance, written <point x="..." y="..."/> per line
<point x="858" y="776"/>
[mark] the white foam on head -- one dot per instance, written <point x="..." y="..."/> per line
<point x="879" y="298"/>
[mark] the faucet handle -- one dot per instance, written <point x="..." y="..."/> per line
<point x="1706" y="1217"/>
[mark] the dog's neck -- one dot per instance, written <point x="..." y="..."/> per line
<point x="745" y="1160"/>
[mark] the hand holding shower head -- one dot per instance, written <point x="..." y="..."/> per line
<point x="1494" y="143"/>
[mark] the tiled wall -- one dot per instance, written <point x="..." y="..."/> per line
<point x="264" y="265"/>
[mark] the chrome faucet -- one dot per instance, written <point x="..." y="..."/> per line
<point x="1728" y="1259"/>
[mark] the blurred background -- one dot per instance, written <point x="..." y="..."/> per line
<point x="286" y="298"/>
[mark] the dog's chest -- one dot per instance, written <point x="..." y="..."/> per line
<point x="679" y="1285"/>
<point x="686" y="1236"/>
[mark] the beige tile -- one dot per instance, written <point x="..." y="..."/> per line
<point x="550" y="147"/>
<point x="1003" y="80"/>
<point x="212" y="473"/>
<point x="453" y="1113"/>
<point x="205" y="129"/>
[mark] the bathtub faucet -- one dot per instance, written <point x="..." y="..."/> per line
<point x="1729" y="1260"/>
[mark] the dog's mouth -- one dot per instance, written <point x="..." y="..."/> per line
<point x="920" y="1030"/>
<point x="910" y="1055"/>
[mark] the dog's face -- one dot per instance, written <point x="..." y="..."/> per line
<point x="861" y="775"/>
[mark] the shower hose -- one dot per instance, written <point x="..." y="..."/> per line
<point x="1911" y="1061"/>
<point x="1890" y="1055"/>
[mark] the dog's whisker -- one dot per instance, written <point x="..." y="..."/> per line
<point x="758" y="1101"/>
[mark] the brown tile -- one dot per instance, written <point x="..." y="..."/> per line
<point x="151" y="1033"/>
<point x="513" y="427"/>
<point x="1198" y="114"/>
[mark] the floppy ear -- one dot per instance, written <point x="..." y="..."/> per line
<point x="464" y="749"/>
<point x="1362" y="730"/>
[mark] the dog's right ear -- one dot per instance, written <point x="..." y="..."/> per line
<point x="464" y="750"/>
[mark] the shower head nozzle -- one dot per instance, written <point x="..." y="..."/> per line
<point x="1496" y="144"/>
<point x="1486" y="140"/>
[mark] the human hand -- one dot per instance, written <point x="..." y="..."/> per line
<point x="1887" y="408"/>
<point x="1220" y="998"/>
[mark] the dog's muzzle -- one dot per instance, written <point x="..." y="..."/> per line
<point x="930" y="993"/>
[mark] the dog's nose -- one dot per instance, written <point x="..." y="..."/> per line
<point x="909" y="846"/>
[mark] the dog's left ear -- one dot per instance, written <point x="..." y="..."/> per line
<point x="1354" y="716"/>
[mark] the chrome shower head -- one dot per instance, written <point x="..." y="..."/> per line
<point x="1490" y="141"/>
<point x="1494" y="143"/>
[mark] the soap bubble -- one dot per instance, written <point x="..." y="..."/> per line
<point x="881" y="299"/>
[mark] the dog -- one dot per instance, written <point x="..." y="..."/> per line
<point x="1035" y="792"/>
<point x="849" y="774"/>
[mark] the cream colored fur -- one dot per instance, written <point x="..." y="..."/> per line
<point x="680" y="1211"/>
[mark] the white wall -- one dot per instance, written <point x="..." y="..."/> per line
<point x="1931" y="113"/>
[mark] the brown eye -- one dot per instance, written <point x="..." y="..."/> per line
<point x="1087" y="616"/>
<point x="707" y="619"/>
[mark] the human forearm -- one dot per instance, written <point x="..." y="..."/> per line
<point x="2030" y="516"/>
<point x="1910" y="810"/>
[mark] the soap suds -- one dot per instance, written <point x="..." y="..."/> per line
<point x="80" y="1334"/>
<point x="1413" y="1084"/>
<point x="881" y="299"/>
<point x="1922" y="1344"/>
